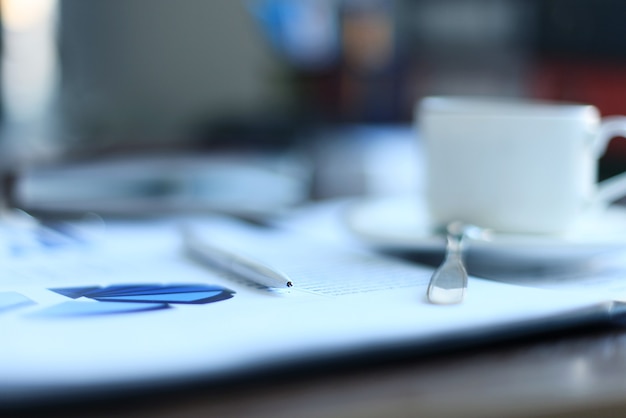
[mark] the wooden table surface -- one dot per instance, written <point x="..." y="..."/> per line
<point x="567" y="374"/>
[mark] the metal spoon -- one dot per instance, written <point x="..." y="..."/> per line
<point x="449" y="282"/>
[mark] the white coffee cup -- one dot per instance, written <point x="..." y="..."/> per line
<point x="516" y="166"/>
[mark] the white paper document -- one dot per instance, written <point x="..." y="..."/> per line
<point x="129" y="308"/>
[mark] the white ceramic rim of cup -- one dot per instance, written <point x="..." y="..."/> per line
<point x="503" y="107"/>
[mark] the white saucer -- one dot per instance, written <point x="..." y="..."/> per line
<point x="402" y="224"/>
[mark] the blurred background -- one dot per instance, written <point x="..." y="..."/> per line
<point x="318" y="94"/>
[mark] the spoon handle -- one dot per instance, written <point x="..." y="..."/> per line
<point x="449" y="282"/>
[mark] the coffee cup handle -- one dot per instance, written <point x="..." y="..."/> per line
<point x="614" y="187"/>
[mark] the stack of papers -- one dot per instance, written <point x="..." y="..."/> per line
<point x="128" y="308"/>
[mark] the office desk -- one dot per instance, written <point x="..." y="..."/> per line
<point x="577" y="374"/>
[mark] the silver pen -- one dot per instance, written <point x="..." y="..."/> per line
<point x="244" y="267"/>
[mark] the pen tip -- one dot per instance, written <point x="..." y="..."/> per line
<point x="289" y="284"/>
